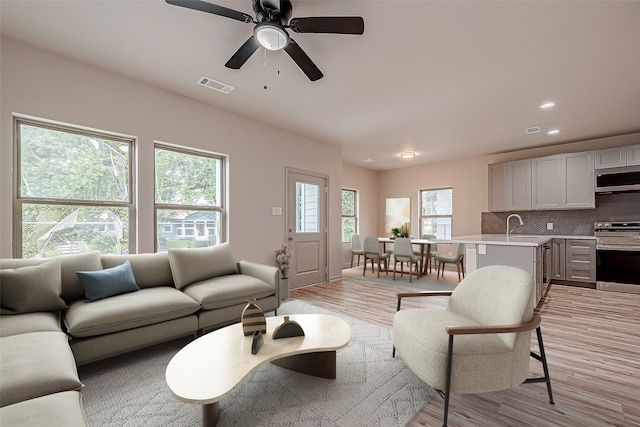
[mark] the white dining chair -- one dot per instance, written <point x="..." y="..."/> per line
<point x="403" y="252"/>
<point x="356" y="249"/>
<point x="372" y="252"/>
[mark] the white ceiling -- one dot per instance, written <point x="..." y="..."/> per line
<point x="446" y="79"/>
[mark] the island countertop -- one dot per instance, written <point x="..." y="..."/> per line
<point x="513" y="240"/>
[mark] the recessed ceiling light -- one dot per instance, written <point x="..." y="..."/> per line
<point x="553" y="131"/>
<point x="547" y="104"/>
<point x="367" y="160"/>
<point x="408" y="155"/>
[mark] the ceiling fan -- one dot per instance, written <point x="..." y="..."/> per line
<point x="273" y="17"/>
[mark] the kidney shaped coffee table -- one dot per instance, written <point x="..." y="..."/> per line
<point x="210" y="367"/>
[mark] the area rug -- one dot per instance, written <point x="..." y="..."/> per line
<point x="371" y="389"/>
<point x="424" y="283"/>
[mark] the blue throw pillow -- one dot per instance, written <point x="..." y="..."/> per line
<point x="108" y="282"/>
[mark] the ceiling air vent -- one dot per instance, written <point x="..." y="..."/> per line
<point x="214" y="84"/>
<point x="532" y="129"/>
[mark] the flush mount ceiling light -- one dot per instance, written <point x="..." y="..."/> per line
<point x="271" y="35"/>
<point x="553" y="132"/>
<point x="547" y="104"/>
<point x="408" y="155"/>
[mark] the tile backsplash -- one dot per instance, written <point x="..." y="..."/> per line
<point x="579" y="222"/>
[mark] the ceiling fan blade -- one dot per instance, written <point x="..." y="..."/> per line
<point x="304" y="62"/>
<point x="328" y="24"/>
<point x="240" y="57"/>
<point x="212" y="8"/>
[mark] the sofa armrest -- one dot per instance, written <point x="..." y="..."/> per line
<point x="267" y="273"/>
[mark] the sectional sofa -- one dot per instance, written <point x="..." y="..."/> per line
<point x="58" y="313"/>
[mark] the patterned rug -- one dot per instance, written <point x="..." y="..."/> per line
<point x="371" y="389"/>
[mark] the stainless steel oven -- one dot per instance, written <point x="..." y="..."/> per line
<point x="618" y="256"/>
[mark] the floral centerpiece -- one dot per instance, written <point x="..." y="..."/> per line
<point x="283" y="258"/>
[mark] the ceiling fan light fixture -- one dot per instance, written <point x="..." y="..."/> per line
<point x="271" y="36"/>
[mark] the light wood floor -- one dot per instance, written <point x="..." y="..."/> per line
<point x="592" y="341"/>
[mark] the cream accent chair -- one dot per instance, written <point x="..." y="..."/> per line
<point x="372" y="252"/>
<point x="356" y="248"/>
<point x="491" y="315"/>
<point x="403" y="252"/>
<point x="457" y="259"/>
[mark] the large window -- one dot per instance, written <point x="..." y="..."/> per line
<point x="436" y="212"/>
<point x="73" y="190"/>
<point x="349" y="215"/>
<point x="188" y="199"/>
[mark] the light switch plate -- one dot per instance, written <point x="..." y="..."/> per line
<point x="549" y="226"/>
<point x="276" y="210"/>
<point x="482" y="249"/>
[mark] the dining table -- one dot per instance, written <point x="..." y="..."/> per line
<point x="425" y="248"/>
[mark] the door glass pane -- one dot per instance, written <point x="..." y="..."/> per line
<point x="307" y="208"/>
<point x="177" y="228"/>
<point x="50" y="230"/>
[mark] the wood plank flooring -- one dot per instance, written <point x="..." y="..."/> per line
<point x="592" y="341"/>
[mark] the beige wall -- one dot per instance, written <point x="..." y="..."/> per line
<point x="40" y="84"/>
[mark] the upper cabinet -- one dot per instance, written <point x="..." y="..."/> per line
<point x="563" y="181"/>
<point x="510" y="186"/>
<point x="618" y="157"/>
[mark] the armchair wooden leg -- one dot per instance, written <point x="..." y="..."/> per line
<point x="447" y="389"/>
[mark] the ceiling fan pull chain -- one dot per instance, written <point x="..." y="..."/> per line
<point x="265" y="69"/>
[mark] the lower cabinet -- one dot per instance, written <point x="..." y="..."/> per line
<point x="573" y="260"/>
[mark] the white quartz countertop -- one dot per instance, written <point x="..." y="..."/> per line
<point x="513" y="240"/>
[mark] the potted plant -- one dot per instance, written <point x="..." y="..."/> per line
<point x="283" y="258"/>
<point x="395" y="232"/>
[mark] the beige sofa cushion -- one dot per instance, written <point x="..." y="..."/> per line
<point x="29" y="322"/>
<point x="225" y="291"/>
<point x="32" y="289"/>
<point x="193" y="265"/>
<point x="58" y="409"/>
<point x="150" y="270"/>
<point x="127" y="311"/>
<point x="34" y="365"/>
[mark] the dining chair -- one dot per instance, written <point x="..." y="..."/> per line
<point x="372" y="252"/>
<point x="403" y="252"/>
<point x="480" y="342"/>
<point x="356" y="248"/>
<point x="457" y="259"/>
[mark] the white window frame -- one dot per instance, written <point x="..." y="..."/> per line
<point x="19" y="199"/>
<point x="354" y="216"/>
<point x="446" y="235"/>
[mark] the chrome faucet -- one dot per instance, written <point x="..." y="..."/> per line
<point x="511" y="216"/>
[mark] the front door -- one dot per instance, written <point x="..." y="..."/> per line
<point x="306" y="221"/>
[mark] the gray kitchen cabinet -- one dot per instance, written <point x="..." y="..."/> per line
<point x="581" y="260"/>
<point x="558" y="260"/>
<point x="563" y="181"/>
<point x="499" y="187"/>
<point x="578" y="180"/>
<point x="510" y="186"/>
<point x="618" y="157"/>
<point x="633" y="155"/>
<point x="519" y="181"/>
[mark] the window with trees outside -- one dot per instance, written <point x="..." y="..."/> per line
<point x="349" y="215"/>
<point x="436" y="212"/>
<point x="188" y="199"/>
<point x="73" y="190"/>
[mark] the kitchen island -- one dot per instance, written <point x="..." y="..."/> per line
<point x="524" y="251"/>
